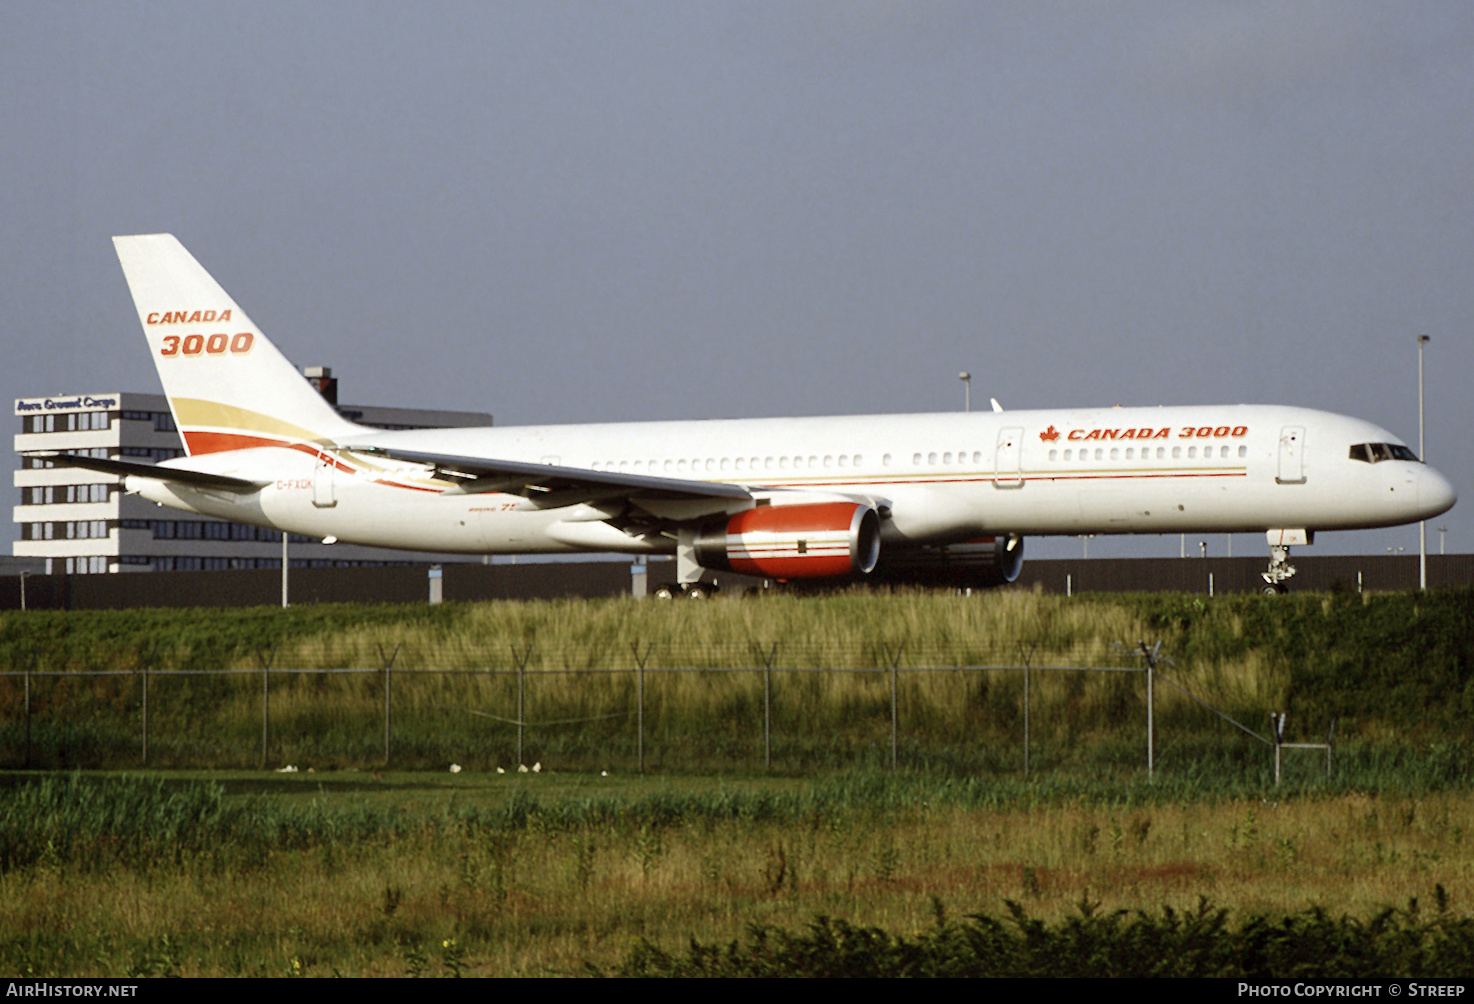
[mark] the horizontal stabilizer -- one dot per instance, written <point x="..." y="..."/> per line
<point x="127" y="468"/>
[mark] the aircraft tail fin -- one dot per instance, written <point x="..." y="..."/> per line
<point x="227" y="384"/>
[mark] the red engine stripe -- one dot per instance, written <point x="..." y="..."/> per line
<point x="806" y="567"/>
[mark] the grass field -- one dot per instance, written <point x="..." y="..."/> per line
<point x="245" y="874"/>
<point x="708" y="863"/>
<point x="1393" y="671"/>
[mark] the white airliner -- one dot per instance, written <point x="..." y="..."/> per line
<point x="944" y="496"/>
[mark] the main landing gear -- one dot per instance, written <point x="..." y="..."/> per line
<point x="688" y="573"/>
<point x="689" y="590"/>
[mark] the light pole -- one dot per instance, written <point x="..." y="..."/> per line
<point x="966" y="379"/>
<point x="1423" y="456"/>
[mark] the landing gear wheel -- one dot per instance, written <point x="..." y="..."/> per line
<point x="1280" y="570"/>
<point x="700" y="591"/>
<point x="666" y="592"/>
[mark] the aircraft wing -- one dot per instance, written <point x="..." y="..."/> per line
<point x="177" y="475"/>
<point x="479" y="474"/>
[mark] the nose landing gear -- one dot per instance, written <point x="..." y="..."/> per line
<point x="1280" y="569"/>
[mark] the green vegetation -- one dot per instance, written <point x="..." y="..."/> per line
<point x="548" y="875"/>
<point x="958" y="862"/>
<point x="1393" y="670"/>
<point x="1196" y="943"/>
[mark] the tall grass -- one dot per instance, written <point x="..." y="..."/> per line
<point x="1391" y="669"/>
<point x="120" y="876"/>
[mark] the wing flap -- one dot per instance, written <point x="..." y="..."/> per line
<point x="565" y="484"/>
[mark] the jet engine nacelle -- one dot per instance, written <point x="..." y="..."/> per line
<point x="808" y="541"/>
<point x="986" y="561"/>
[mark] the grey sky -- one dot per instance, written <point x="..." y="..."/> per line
<point x="568" y="212"/>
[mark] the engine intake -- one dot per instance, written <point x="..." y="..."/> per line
<point x="810" y="541"/>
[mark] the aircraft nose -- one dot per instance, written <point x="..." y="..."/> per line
<point x="1435" y="494"/>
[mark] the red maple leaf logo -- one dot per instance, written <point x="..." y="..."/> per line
<point x="1049" y="435"/>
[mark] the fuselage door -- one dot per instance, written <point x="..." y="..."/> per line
<point x="1291" y="470"/>
<point x="1008" y="459"/>
<point x="322" y="482"/>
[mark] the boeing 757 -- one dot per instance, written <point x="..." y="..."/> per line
<point x="945" y="497"/>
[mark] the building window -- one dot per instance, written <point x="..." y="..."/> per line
<point x="87" y="493"/>
<point x="154" y="453"/>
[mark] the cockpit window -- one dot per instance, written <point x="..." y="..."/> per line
<point x="1375" y="453"/>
